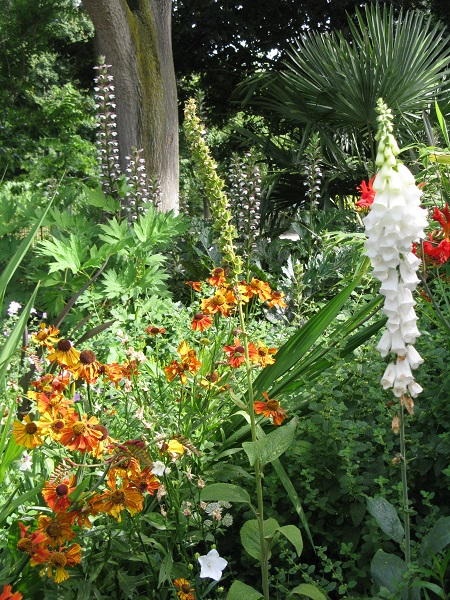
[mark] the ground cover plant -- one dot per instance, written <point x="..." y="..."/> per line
<point x="191" y="411"/>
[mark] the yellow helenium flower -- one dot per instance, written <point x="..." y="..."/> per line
<point x="27" y="434"/>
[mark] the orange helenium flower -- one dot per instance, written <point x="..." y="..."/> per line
<point x="27" y="434"/>
<point x="79" y="434"/>
<point x="223" y="301"/>
<point x="56" y="561"/>
<point x="152" y="330"/>
<point x="88" y="368"/>
<point x="57" y="530"/>
<point x="217" y="278"/>
<point x="276" y="299"/>
<point x="185" y="590"/>
<point x="65" y="354"/>
<point x="54" y="403"/>
<point x="263" y="355"/>
<point x="56" y="495"/>
<point x="195" y="285"/>
<point x="8" y="594"/>
<point x="270" y="408"/>
<point x="236" y="353"/>
<point x="260" y="289"/>
<point x="200" y="322"/>
<point x="114" y="501"/>
<point x="47" y="336"/>
<point x="29" y="542"/>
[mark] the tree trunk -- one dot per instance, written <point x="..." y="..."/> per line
<point x="135" y="38"/>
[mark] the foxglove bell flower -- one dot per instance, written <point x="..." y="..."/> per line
<point x="395" y="222"/>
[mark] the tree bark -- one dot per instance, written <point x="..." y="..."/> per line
<point x="135" y="38"/>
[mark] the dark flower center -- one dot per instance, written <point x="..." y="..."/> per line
<point x="263" y="351"/>
<point x="103" y="430"/>
<point x="58" y="560"/>
<point x="219" y="300"/>
<point x="30" y="428"/>
<point x="186" y="588"/>
<point x="118" y="497"/>
<point x="218" y="271"/>
<point x="239" y="350"/>
<point x="273" y="404"/>
<point x="87" y="357"/>
<point x="198" y="316"/>
<point x="62" y="490"/>
<point x="64" y="345"/>
<point x="25" y="545"/>
<point x="79" y="428"/>
<point x="54" y="529"/>
<point x="57" y="425"/>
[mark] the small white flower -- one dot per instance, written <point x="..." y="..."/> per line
<point x="13" y="308"/>
<point x="26" y="463"/>
<point x="212" y="565"/>
<point x="159" y="469"/>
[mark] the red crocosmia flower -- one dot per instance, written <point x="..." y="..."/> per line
<point x="443" y="217"/>
<point x="367" y="194"/>
<point x="8" y="594"/>
<point x="440" y="253"/>
<point x="270" y="408"/>
<point x="200" y="322"/>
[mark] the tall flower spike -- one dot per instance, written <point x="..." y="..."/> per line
<point x="394" y="223"/>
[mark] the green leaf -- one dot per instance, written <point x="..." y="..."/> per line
<point x="294" y="535"/>
<point x="293" y="496"/>
<point x="250" y="537"/>
<point x="309" y="590"/>
<point x="386" y="517"/>
<point x="15" y="261"/>
<point x="11" y="506"/>
<point x="240" y="590"/>
<point x="435" y="540"/>
<point x="388" y="570"/>
<point x="295" y="349"/>
<point x="225" y="491"/>
<point x="15" y="336"/>
<point x="271" y="446"/>
<point x="165" y="569"/>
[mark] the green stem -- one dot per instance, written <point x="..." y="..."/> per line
<point x="258" y="469"/>
<point x="406" y="510"/>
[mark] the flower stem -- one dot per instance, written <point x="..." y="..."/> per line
<point x="404" y="475"/>
<point x="258" y="469"/>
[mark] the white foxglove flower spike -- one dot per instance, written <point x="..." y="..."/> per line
<point x="394" y="223"/>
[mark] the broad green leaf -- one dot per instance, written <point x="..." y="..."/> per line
<point x="386" y="517"/>
<point x="15" y="261"/>
<point x="240" y="590"/>
<point x="435" y="540"/>
<point x="250" y="537"/>
<point x="271" y="446"/>
<point x="308" y="590"/>
<point x="225" y="491"/>
<point x="294" y="535"/>
<point x="388" y="570"/>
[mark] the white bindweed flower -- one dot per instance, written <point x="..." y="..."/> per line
<point x="26" y="464"/>
<point x="212" y="565"/>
